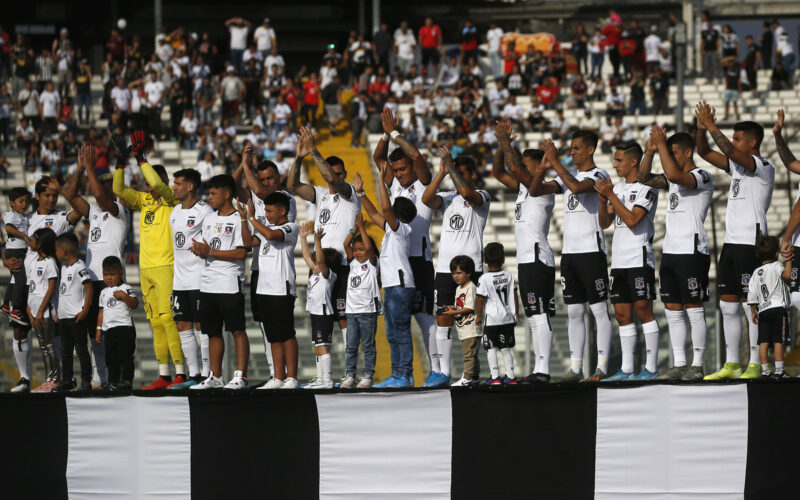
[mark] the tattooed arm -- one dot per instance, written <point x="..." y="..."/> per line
<point x="465" y="190"/>
<point x="335" y="181"/>
<point x="498" y="164"/>
<point x="705" y="118"/>
<point x="295" y="186"/>
<point x="786" y="155"/>
<point x="569" y="180"/>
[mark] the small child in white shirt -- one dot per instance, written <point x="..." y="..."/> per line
<point x="469" y="332"/>
<point x="115" y="325"/>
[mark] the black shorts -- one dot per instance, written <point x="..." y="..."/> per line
<point x="736" y="264"/>
<point x="684" y="278"/>
<point x="186" y="305"/>
<point x="280" y="311"/>
<point x="339" y="292"/>
<point x="629" y="285"/>
<point x="794" y="283"/>
<point x="322" y="329"/>
<point x="445" y="290"/>
<point x="422" y="270"/>
<point x="537" y="283"/>
<point x="498" y="337"/>
<point x="584" y="277"/>
<point x="773" y="326"/>
<point x="218" y="309"/>
<point x="430" y="55"/>
<point x="253" y="301"/>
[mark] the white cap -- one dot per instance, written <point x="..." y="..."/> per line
<point x="229" y="69"/>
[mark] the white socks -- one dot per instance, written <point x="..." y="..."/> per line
<point x="600" y="313"/>
<point x="544" y="334"/>
<point x="534" y="343"/>
<point x="189" y="347"/>
<point x="444" y="344"/>
<point x="267" y="349"/>
<point x="732" y="326"/>
<point x="576" y="330"/>
<point x="428" y="326"/>
<point x="796" y="300"/>
<point x="697" y="320"/>
<point x="627" y="340"/>
<point x="752" y="335"/>
<point x="650" y="330"/>
<point x="163" y="370"/>
<point x="491" y="355"/>
<point x="677" y="336"/>
<point x="325" y="366"/>
<point x="508" y="361"/>
<point x="205" y="355"/>
<point x="22" y="355"/>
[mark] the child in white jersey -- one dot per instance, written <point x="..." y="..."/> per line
<point x="318" y="303"/>
<point x="496" y="309"/>
<point x="462" y="267"/>
<point x="16" y="224"/>
<point x="363" y="305"/>
<point x="769" y="300"/>
<point x="42" y="270"/>
<point x="115" y="325"/>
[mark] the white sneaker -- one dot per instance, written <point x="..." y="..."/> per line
<point x="349" y="382"/>
<point x="290" y="383"/>
<point x="365" y="383"/>
<point x="315" y="383"/>
<point x="463" y="381"/>
<point x="211" y="382"/>
<point x="239" y="381"/>
<point x="24" y="385"/>
<point x="273" y="383"/>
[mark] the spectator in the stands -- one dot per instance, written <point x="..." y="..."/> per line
<point x="515" y="82"/>
<point x="494" y="39"/>
<point x="615" y="102"/>
<point x="709" y="48"/>
<point x="766" y="41"/>
<point x="238" y="29"/>
<point x="430" y="41"/>
<point x="382" y="41"/>
<point x="580" y="48"/>
<point x="637" y="84"/>
<point x="469" y="41"/>
<point x="232" y="91"/>
<point x="549" y="92"/>
<point x="405" y="44"/>
<point x="659" y="92"/>
<point x="596" y="52"/>
<point x="752" y="62"/>
<point x="187" y="131"/>
<point x="560" y="127"/>
<point x="652" y="49"/>
<point x="729" y="42"/>
<point x="265" y="39"/>
<point x="578" y="90"/>
<point x="784" y="52"/>
<point x="733" y="85"/>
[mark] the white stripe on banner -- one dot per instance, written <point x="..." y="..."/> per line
<point x="129" y="447"/>
<point x="385" y="445"/>
<point x="671" y="442"/>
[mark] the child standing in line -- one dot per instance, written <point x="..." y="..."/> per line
<point x="42" y="283"/>
<point x="769" y="300"/>
<point x="16" y="223"/>
<point x="115" y="326"/>
<point x="497" y="311"/>
<point x="463" y="267"/>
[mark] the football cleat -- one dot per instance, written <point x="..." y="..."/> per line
<point x="753" y="371"/>
<point x="494" y="381"/>
<point x="537" y="378"/>
<point x="619" y="376"/>
<point x="161" y="383"/>
<point x="597" y="376"/>
<point x="674" y="373"/>
<point x="728" y="371"/>
<point x="178" y="380"/>
<point x="510" y="381"/>
<point x="24" y="385"/>
<point x="572" y="376"/>
<point x="780" y="376"/>
<point x="694" y="373"/>
<point x="644" y="375"/>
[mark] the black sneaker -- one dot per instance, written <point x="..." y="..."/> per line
<point x="120" y="387"/>
<point x="84" y="388"/>
<point x="537" y="378"/>
<point x="780" y="376"/>
<point x="64" y="387"/>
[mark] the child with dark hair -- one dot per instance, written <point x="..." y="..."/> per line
<point x="115" y="325"/>
<point x="17" y="223"/>
<point x="462" y="268"/>
<point x="42" y="284"/>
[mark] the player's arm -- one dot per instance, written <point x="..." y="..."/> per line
<point x="130" y="301"/>
<point x="418" y="162"/>
<point x="788" y="159"/>
<point x="466" y="192"/>
<point x="672" y="172"/>
<point x="99" y="330"/>
<point x="293" y="183"/>
<point x="569" y="180"/>
<point x="754" y="313"/>
<point x="105" y="202"/>
<point x="13" y="231"/>
<point x="372" y="212"/>
<point x="242" y="193"/>
<point x="248" y="159"/>
<point x="148" y="172"/>
<point x="309" y="143"/>
<point x="268" y="233"/>
<point x="386" y="205"/>
<point x="348" y="250"/>
<point x="516" y="307"/>
<point x="537" y="186"/>
<point x="502" y="133"/>
<point x="629" y="217"/>
<point x="321" y="266"/>
<point x="304" y="229"/>
<point x="362" y="228"/>
<point x="706" y="122"/>
<point x="69" y="191"/>
<point x="787" y="269"/>
<point x="130" y="196"/>
<point x="480" y="300"/>
<point x="429" y="196"/>
<point x="646" y="165"/>
<point x="88" y="293"/>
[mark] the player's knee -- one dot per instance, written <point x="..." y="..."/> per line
<point x="623" y="317"/>
<point x="644" y="311"/>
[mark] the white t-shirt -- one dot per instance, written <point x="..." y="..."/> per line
<point x="421" y="225"/>
<point x="49" y="101"/>
<point x="748" y="200"/>
<point x="687" y="208"/>
<point x="394" y="264"/>
<point x="187" y="225"/>
<point x="107" y="236"/>
<point x="282" y="112"/>
<point x="466" y="298"/>
<point x="71" y="293"/>
<point x="238" y="37"/>
<point x="276" y="60"/>
<point x="796" y="235"/>
<point x="40" y="272"/>
<point x="318" y="294"/>
<point x="121" y="97"/>
<point x="276" y="274"/>
<point x="405" y="44"/>
<point x="206" y="170"/>
<point x="615" y="101"/>
<point x="494" y="37"/>
<point x="462" y="229"/>
<point x="531" y="227"/>
<point x="652" y="44"/>
<point x="363" y="292"/>
<point x="155" y="93"/>
<point x="115" y="312"/>
<point x="55" y="220"/>
<point x="263" y="37"/>
<point x="336" y="215"/>
<point x="21" y="223"/>
<point x="189" y="125"/>
<point x="261" y="216"/>
<point x="633" y="247"/>
<point x="767" y="289"/>
<point x="223" y="232"/>
<point x="497" y="287"/>
<point x="582" y="231"/>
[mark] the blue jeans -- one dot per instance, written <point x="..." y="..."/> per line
<point x="397" y="304"/>
<point x="597" y="64"/>
<point x="84" y="104"/>
<point x="634" y="105"/>
<point x="236" y="58"/>
<point x="361" y="329"/>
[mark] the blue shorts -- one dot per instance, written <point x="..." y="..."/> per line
<point x="730" y="96"/>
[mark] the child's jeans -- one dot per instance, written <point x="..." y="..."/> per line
<point x="361" y="329"/>
<point x="398" y="302"/>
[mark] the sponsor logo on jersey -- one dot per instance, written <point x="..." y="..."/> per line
<point x="215" y="244"/>
<point x="324" y="216"/>
<point x="229" y="229"/>
<point x="456" y="222"/>
<point x="599" y="285"/>
<point x="518" y="211"/>
<point x="639" y="283"/>
<point x="735" y="187"/>
<point x="572" y="202"/>
<point x="64" y="287"/>
<point x="355" y="281"/>
<point x="692" y="283"/>
<point x="180" y="239"/>
<point x="149" y="217"/>
<point x="674" y="199"/>
<point x="96" y="233"/>
<point x="745" y="279"/>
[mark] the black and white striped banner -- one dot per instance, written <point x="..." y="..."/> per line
<point x="655" y="441"/>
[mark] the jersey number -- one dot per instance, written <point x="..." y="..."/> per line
<point x="502" y="292"/>
<point x="764" y="291"/>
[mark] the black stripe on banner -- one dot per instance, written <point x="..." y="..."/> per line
<point x="254" y="445"/>
<point x="35" y="443"/>
<point x="772" y="439"/>
<point x="524" y="442"/>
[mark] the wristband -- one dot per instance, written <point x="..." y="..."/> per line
<point x="353" y="233"/>
<point x="99" y="328"/>
<point x="385" y="137"/>
<point x="361" y="194"/>
<point x="394" y="134"/>
<point x="245" y="220"/>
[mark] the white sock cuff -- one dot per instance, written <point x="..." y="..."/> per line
<point x="442" y="332"/>
<point x="186" y="334"/>
<point x="696" y="314"/>
<point x="575" y="310"/>
<point x="163" y="370"/>
<point x="650" y="327"/>
<point x="324" y="356"/>
<point x="729" y="308"/>
<point x="21" y="345"/>
<point x="599" y="308"/>
<point x="673" y="315"/>
<point x="627" y="330"/>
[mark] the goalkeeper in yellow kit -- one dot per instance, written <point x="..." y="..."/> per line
<point x="155" y="254"/>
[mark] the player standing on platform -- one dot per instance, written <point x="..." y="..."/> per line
<point x="752" y="181"/>
<point x="633" y="274"/>
<point x="685" y="258"/>
<point x="791" y="239"/>
<point x="584" y="271"/>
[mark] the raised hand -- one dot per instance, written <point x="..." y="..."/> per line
<point x="305" y="142"/>
<point x="305" y="229"/>
<point x="502" y="131"/>
<point x="657" y="138"/>
<point x="388" y="121"/>
<point x="248" y="154"/>
<point x="778" y="126"/>
<point x="319" y="234"/>
<point x="359" y="221"/>
<point x="550" y="151"/>
<point x="705" y="115"/>
<point x="138" y="146"/>
<point x="358" y="183"/>
<point x="604" y="187"/>
<point x="121" y="148"/>
<point x="447" y="159"/>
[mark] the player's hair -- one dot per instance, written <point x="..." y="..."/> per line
<point x="398" y="154"/>
<point x="767" y="247"/>
<point x="277" y="199"/>
<point x="463" y="262"/>
<point x="69" y="242"/>
<point x="191" y="175"/>
<point x="42" y="185"/>
<point x="332" y="257"/>
<point x="404" y="209"/>
<point x="357" y="239"/>
<point x="533" y="154"/>
<point x="589" y="137"/>
<point x="467" y="161"/>
<point x="335" y="160"/>
<point x="161" y="171"/>
<point x="494" y="254"/>
<point x="266" y="164"/>
<point x="631" y="148"/>
<point x="752" y="129"/>
<point x="46" y="238"/>
<point x="112" y="263"/>
<point x="222" y="181"/>
<point x="682" y="140"/>
<point x="18" y="192"/>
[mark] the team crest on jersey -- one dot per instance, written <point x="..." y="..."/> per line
<point x="456" y="222"/>
<point x="692" y="283"/>
<point x="467" y="204"/>
<point x="324" y="216"/>
<point x="632" y="197"/>
<point x="261" y="220"/>
<point x="639" y="283"/>
<point x="229" y="229"/>
<point x="149" y="217"/>
<point x="735" y="187"/>
<point x="355" y="281"/>
<point x="105" y="216"/>
<point x="411" y="190"/>
<point x="190" y="222"/>
<point x="39" y="272"/>
<point x="619" y="220"/>
<point x="599" y="285"/>
<point x="49" y="223"/>
<point x="531" y="298"/>
<point x="340" y="304"/>
<point x="111" y="302"/>
<point x="518" y="211"/>
<point x="95" y="234"/>
<point x="265" y="248"/>
<point x="673" y="201"/>
<point x="572" y="202"/>
<point x="336" y="198"/>
<point x="69" y="278"/>
<point x="364" y="267"/>
<point x="745" y="280"/>
<point x="794" y="273"/>
<point x="460" y="300"/>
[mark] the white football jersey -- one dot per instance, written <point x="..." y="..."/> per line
<point x="223" y="232"/>
<point x="40" y="272"/>
<point x="260" y="214"/>
<point x="21" y="223"/>
<point x="336" y="215"/>
<point x="767" y="289"/>
<point x="531" y="227"/>
<point x="394" y="263"/>
<point x="107" y="236"/>
<point x="582" y="231"/>
<point x="748" y="200"/>
<point x="687" y="208"/>
<point x="276" y="261"/>
<point x="55" y="220"/>
<point x="363" y="292"/>
<point x="71" y="293"/>
<point x="796" y="235"/>
<point x="421" y="225"/>
<point x="633" y="246"/>
<point x="115" y="312"/>
<point x="462" y="229"/>
<point x="187" y="225"/>
<point x="318" y="294"/>
<point x="497" y="287"/>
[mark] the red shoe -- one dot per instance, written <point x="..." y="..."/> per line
<point x="18" y="318"/>
<point x="160" y="384"/>
<point x="6" y="309"/>
<point x="179" y="379"/>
